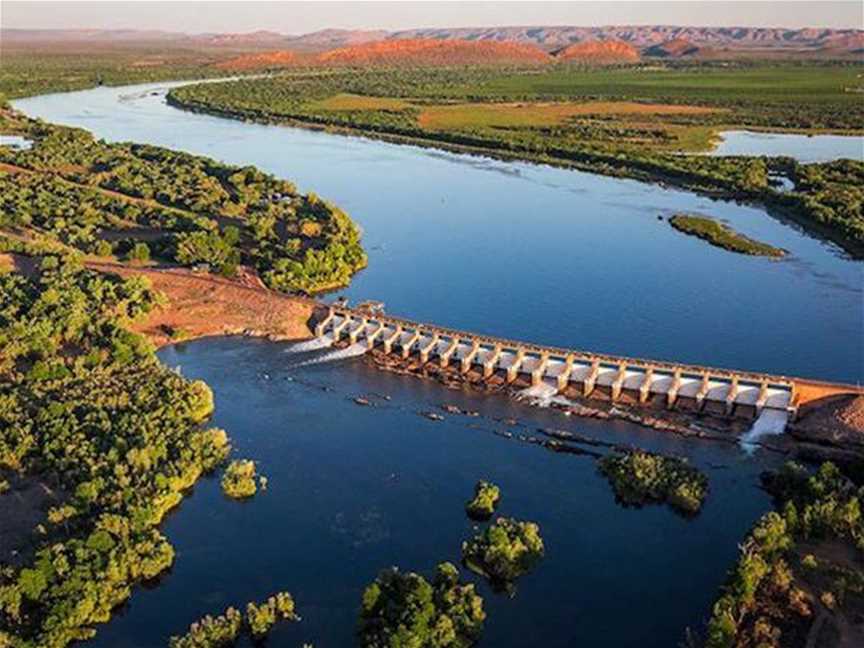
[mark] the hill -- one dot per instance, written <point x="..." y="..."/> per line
<point x="280" y="58"/>
<point x="552" y="38"/>
<point x="751" y="42"/>
<point x="599" y="52"/>
<point x="675" y="48"/>
<point x="433" y="52"/>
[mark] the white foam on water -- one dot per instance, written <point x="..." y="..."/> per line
<point x="542" y="395"/>
<point x="339" y="354"/>
<point x="315" y="344"/>
<point x="770" y="422"/>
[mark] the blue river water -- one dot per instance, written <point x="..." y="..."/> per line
<point x="804" y="148"/>
<point x="533" y="252"/>
<point x="511" y="249"/>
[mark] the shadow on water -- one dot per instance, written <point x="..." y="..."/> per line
<point x="355" y="489"/>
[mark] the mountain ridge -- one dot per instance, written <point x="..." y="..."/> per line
<point x="549" y="38"/>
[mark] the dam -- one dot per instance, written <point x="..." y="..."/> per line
<point x="633" y="381"/>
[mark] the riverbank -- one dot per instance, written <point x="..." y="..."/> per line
<point x="782" y="205"/>
<point x="203" y="305"/>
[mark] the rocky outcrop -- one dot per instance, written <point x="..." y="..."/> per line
<point x="282" y="58"/>
<point x="433" y="52"/>
<point x="676" y="48"/>
<point x="599" y="53"/>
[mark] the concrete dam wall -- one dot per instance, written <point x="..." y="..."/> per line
<point x="695" y="388"/>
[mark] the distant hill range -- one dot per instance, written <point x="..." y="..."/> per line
<point x="591" y="44"/>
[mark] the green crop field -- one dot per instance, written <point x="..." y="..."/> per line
<point x="804" y="83"/>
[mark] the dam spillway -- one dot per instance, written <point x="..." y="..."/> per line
<point x="692" y="388"/>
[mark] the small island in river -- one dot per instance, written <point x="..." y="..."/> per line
<point x="723" y="236"/>
<point x="485" y="501"/>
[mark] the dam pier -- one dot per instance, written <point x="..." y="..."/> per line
<point x="552" y="370"/>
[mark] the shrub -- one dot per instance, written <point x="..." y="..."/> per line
<point x="239" y="479"/>
<point x="211" y="632"/>
<point x="261" y="617"/>
<point x="140" y="253"/>
<point x="639" y="477"/>
<point x="504" y="551"/>
<point x="486" y="497"/>
<point x="406" y="611"/>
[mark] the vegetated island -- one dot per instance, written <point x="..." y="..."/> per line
<point x="723" y="236"/>
<point x="504" y="551"/>
<point x="799" y="580"/>
<point x="225" y="629"/>
<point x="484" y="502"/>
<point x="404" y="609"/>
<point x="639" y="478"/>
<point x="238" y="481"/>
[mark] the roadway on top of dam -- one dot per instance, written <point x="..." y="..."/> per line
<point x="562" y="367"/>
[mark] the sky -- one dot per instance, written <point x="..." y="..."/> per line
<point x="302" y="17"/>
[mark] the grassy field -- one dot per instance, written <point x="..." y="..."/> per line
<point x="351" y="102"/>
<point x="715" y="85"/>
<point x="509" y="115"/>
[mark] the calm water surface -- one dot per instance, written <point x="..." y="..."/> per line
<point x="533" y="252"/>
<point x="512" y="249"/>
<point x="354" y="489"/>
<point x="804" y="148"/>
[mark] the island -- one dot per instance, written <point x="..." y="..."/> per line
<point x="640" y="477"/>
<point x="485" y="501"/>
<point x="722" y="236"/>
<point x="404" y="609"/>
<point x="504" y="551"/>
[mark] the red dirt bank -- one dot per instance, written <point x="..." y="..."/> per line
<point x="201" y="305"/>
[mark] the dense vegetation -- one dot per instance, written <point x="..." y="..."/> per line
<point x="722" y="236"/>
<point x="639" y="478"/>
<point x="792" y="565"/>
<point x="26" y="72"/>
<point x="485" y="501"/>
<point x="403" y="610"/>
<point x="190" y="210"/>
<point x="630" y="122"/>
<point x="238" y="480"/>
<point x="85" y="406"/>
<point x="224" y="630"/>
<point x="504" y="551"/>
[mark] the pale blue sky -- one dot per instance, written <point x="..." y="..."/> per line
<point x="300" y="17"/>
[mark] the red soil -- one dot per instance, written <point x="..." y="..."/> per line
<point x="282" y="58"/>
<point x="834" y="420"/>
<point x="203" y="304"/>
<point x="599" y="52"/>
<point x="433" y="52"/>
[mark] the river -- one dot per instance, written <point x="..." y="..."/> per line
<point x="804" y="148"/>
<point x="516" y="250"/>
